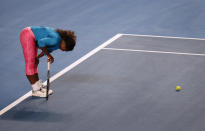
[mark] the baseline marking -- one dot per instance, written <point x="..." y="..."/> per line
<point x="10" y="106"/>
<point x="151" y="51"/>
<point x="167" y="37"/>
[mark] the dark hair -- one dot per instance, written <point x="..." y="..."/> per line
<point x="69" y="37"/>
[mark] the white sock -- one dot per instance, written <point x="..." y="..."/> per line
<point x="40" y="83"/>
<point x="36" y="86"/>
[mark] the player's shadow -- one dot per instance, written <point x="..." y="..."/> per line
<point x="34" y="114"/>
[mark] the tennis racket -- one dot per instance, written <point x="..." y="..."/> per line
<point x="48" y="81"/>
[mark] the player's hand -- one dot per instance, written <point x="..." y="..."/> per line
<point x="36" y="60"/>
<point x="50" y="59"/>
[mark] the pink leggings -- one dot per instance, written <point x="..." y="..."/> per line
<point x="30" y="50"/>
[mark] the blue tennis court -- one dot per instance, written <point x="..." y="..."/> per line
<point x="122" y="74"/>
<point x="127" y="83"/>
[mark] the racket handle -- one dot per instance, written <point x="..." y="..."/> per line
<point x="48" y="65"/>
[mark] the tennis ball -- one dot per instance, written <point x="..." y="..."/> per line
<point x="178" y="88"/>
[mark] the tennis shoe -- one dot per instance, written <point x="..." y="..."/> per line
<point x="43" y="88"/>
<point x="39" y="93"/>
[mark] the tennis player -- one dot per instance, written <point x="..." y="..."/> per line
<point x="48" y="40"/>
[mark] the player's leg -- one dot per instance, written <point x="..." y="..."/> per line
<point x="42" y="87"/>
<point x="27" y="39"/>
<point x="36" y="65"/>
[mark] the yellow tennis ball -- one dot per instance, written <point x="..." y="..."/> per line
<point x="178" y="88"/>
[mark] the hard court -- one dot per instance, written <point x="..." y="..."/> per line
<point x="125" y="84"/>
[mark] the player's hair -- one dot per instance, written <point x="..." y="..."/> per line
<point x="69" y="37"/>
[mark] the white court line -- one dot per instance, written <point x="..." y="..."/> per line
<point x="19" y="100"/>
<point x="152" y="51"/>
<point x="169" y="37"/>
<point x="63" y="72"/>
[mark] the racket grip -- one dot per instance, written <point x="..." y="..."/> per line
<point x="48" y="65"/>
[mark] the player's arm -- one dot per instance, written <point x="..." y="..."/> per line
<point x="40" y="55"/>
<point x="46" y="52"/>
<point x="43" y="43"/>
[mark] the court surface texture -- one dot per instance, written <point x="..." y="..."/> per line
<point x="125" y="84"/>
